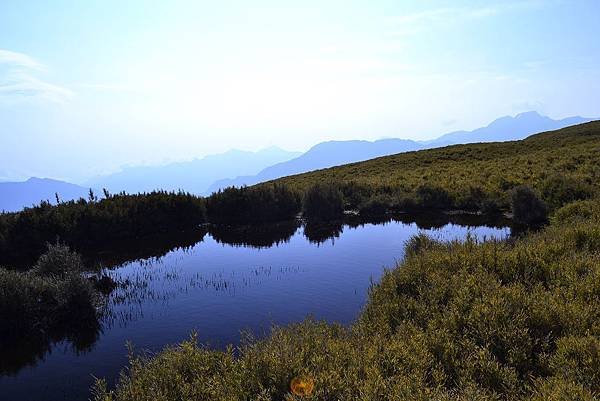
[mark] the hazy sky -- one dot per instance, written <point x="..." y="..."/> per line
<point x="86" y="87"/>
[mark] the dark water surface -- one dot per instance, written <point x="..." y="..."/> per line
<point x="231" y="280"/>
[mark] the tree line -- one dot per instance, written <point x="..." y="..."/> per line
<point x="91" y="224"/>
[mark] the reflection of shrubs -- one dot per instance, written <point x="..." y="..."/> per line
<point x="319" y="231"/>
<point x="433" y="197"/>
<point x="323" y="201"/>
<point x="265" y="203"/>
<point x="559" y="190"/>
<point x="255" y="235"/>
<point x="527" y="207"/>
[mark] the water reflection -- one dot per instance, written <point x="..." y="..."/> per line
<point x="143" y="248"/>
<point x="318" y="232"/>
<point x="257" y="236"/>
<point x="233" y="278"/>
<point x="79" y="336"/>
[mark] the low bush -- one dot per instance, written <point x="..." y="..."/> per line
<point x="52" y="295"/>
<point x="323" y="201"/>
<point x="527" y="207"/>
<point x="433" y="197"/>
<point x="558" y="190"/>
<point x="577" y="211"/>
<point x="376" y="206"/>
<point x="262" y="204"/>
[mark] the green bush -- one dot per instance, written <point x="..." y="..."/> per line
<point x="376" y="206"/>
<point x="558" y="190"/>
<point x="433" y="197"/>
<point x="48" y="298"/>
<point x="267" y="203"/>
<point x="577" y="211"/>
<point x="527" y="207"/>
<point x="323" y="201"/>
<point x="58" y="261"/>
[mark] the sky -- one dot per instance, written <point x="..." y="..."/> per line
<point x="87" y="87"/>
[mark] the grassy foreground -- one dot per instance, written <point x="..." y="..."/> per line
<point x="454" y="321"/>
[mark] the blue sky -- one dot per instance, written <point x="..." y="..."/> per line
<point x="89" y="86"/>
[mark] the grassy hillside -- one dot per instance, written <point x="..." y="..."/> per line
<point x="467" y="172"/>
<point x="500" y="320"/>
<point x="454" y="321"/>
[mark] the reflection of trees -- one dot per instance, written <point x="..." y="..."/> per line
<point x="425" y="221"/>
<point x="428" y="221"/>
<point x="144" y="248"/>
<point x="320" y="231"/>
<point x="18" y="353"/>
<point x="257" y="236"/>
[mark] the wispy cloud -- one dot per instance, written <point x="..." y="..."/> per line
<point x="19" y="60"/>
<point x="418" y="22"/>
<point x="18" y="79"/>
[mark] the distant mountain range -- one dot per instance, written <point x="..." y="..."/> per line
<point x="330" y="154"/>
<point x="325" y="154"/>
<point x="194" y="176"/>
<point x="507" y="129"/>
<point x="14" y="196"/>
<point x="211" y="173"/>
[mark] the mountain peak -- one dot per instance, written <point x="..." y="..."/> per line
<point x="529" y="114"/>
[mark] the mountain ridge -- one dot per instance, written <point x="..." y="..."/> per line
<point x="14" y="195"/>
<point x="501" y="129"/>
<point x="193" y="176"/>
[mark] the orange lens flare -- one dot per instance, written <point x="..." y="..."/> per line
<point x="302" y="386"/>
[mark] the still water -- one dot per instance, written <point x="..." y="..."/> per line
<point x="220" y="283"/>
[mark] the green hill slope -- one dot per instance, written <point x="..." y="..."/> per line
<point x="465" y="172"/>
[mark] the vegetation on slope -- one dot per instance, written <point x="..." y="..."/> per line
<point x="512" y="320"/>
<point x="561" y="166"/>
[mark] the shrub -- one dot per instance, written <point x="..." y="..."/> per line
<point x="577" y="211"/>
<point x="559" y="190"/>
<point x="265" y="203"/>
<point x="323" y="201"/>
<point x="433" y="197"/>
<point x="355" y="194"/>
<point x="47" y="298"/>
<point x="527" y="207"/>
<point x="58" y="261"/>
<point x="376" y="206"/>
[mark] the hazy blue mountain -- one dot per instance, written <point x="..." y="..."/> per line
<point x="14" y="196"/>
<point x="329" y="154"/>
<point x="507" y="129"/>
<point x="194" y="176"/>
<point x="323" y="155"/>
